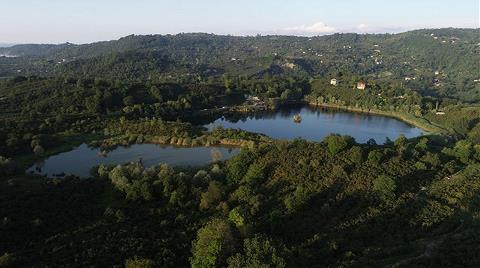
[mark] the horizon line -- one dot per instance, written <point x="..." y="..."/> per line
<point x="11" y="44"/>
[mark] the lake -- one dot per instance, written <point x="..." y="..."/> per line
<point x="316" y="123"/>
<point x="80" y="160"/>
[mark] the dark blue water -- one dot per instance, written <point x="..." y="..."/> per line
<point x="317" y="123"/>
<point x="80" y="160"/>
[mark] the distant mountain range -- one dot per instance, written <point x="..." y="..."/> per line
<point x="6" y="44"/>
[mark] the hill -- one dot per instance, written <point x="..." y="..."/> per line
<point x="435" y="62"/>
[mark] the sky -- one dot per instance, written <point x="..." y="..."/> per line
<point x="85" y="21"/>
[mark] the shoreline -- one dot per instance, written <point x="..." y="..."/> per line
<point x="410" y="119"/>
<point x="421" y="123"/>
<point x="424" y="124"/>
<point x="112" y="143"/>
<point x="206" y="141"/>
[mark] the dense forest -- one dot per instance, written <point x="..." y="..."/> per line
<point x="278" y="203"/>
<point x="434" y="62"/>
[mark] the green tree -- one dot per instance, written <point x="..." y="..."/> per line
<point x="156" y="93"/>
<point x="255" y="174"/>
<point x="286" y="95"/>
<point x="422" y="144"/>
<point x="375" y="156"/>
<point x="463" y="151"/>
<point x="384" y="187"/>
<point x="214" y="243"/>
<point x="236" y="217"/>
<point x="238" y="165"/>
<point x="401" y="144"/>
<point x="337" y="143"/>
<point x="139" y="263"/>
<point x="432" y="159"/>
<point x="128" y="101"/>
<point x="226" y="81"/>
<point x="474" y="134"/>
<point x="212" y="196"/>
<point x="371" y="142"/>
<point x="258" y="252"/>
<point x="356" y="155"/>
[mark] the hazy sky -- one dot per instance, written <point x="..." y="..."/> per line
<point x="81" y="21"/>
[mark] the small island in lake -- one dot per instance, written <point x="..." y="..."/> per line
<point x="297" y="118"/>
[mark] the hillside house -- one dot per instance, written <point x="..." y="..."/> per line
<point x="289" y="65"/>
<point x="334" y="81"/>
<point x="361" y="85"/>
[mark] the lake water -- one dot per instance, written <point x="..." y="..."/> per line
<point x="314" y="126"/>
<point x="316" y="123"/>
<point x="80" y="160"/>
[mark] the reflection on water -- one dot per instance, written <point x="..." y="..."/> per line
<point x="314" y="126"/>
<point x="80" y="160"/>
<point x="317" y="123"/>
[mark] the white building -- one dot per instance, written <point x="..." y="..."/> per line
<point x="361" y="85"/>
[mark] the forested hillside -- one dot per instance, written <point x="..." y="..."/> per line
<point x="434" y="62"/>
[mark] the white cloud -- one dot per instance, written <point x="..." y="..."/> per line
<point x="313" y="29"/>
<point x="363" y="27"/>
<point x="320" y="28"/>
<point x="366" y="28"/>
